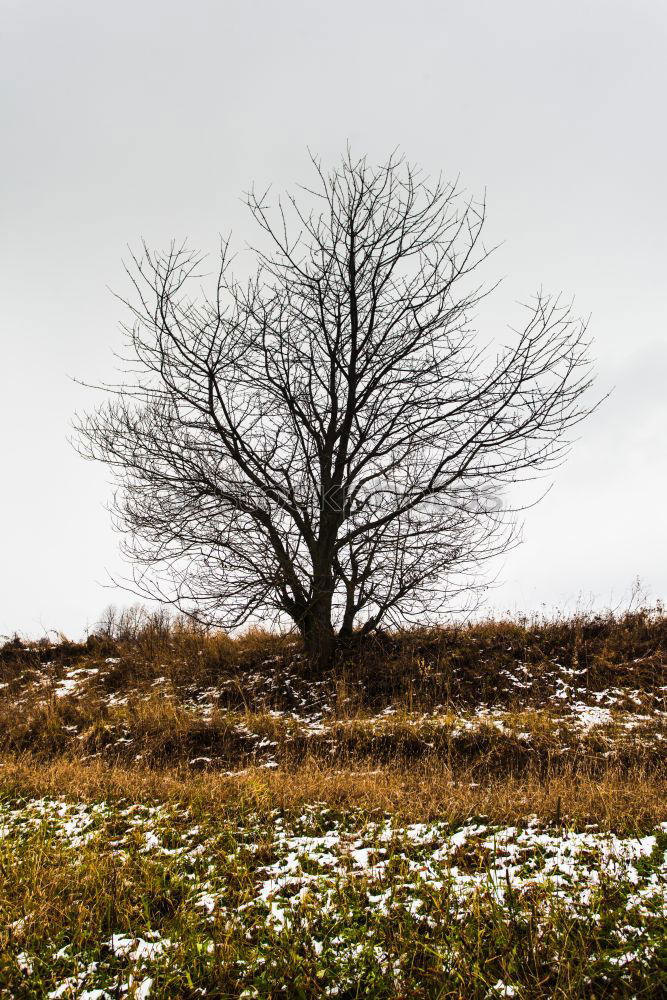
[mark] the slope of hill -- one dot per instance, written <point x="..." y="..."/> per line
<point x="476" y="811"/>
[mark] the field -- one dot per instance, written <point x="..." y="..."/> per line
<point x="476" y="811"/>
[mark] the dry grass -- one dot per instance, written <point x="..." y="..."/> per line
<point x="185" y="757"/>
<point x="418" y="669"/>
<point x="620" y="801"/>
<point x="158" y="730"/>
<point x="135" y="693"/>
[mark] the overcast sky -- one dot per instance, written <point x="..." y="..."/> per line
<point x="150" y="119"/>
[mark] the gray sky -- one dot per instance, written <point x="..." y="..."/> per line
<point x="149" y="119"/>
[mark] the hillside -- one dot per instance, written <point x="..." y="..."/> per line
<point x="471" y="811"/>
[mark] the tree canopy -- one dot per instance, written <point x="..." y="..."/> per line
<point x="327" y="442"/>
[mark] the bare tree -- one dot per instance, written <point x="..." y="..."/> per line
<point x="326" y="441"/>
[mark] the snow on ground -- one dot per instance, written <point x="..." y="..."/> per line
<point x="312" y="868"/>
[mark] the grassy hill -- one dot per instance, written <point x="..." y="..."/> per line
<point x="473" y="811"/>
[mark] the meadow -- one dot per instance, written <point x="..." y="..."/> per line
<point x="471" y="811"/>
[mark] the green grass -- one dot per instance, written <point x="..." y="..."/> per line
<point x="166" y="901"/>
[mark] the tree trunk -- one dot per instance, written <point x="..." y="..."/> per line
<point x="319" y="637"/>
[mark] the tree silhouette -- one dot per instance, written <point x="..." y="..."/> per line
<point x="326" y="441"/>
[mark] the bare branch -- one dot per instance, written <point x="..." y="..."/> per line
<point x="327" y="441"/>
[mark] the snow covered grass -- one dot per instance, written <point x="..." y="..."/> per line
<point x="110" y="898"/>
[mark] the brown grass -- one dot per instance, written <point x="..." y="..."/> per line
<point x="419" y="668"/>
<point x="619" y="801"/>
<point x="158" y="731"/>
<point x="400" y="763"/>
